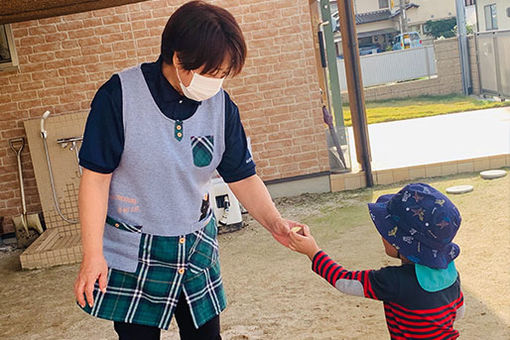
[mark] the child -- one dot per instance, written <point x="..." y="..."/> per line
<point x="422" y="297"/>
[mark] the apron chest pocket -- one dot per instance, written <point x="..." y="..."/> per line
<point x="203" y="150"/>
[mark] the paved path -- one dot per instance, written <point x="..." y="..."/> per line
<point x="437" y="139"/>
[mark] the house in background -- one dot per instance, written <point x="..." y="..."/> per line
<point x="378" y="21"/>
<point x="493" y="15"/>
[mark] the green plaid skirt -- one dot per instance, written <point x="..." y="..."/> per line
<point x="167" y="267"/>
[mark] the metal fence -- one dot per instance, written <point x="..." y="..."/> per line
<point x="493" y="50"/>
<point x="390" y="67"/>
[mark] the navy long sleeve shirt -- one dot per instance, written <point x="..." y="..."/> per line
<point x="411" y="312"/>
<point x="103" y="141"/>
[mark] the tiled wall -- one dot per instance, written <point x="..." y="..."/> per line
<point x="55" y="247"/>
<point x="60" y="243"/>
<point x="63" y="163"/>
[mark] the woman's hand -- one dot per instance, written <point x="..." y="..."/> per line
<point x="253" y="195"/>
<point x="281" y="230"/>
<point x="92" y="269"/>
<point x="304" y="244"/>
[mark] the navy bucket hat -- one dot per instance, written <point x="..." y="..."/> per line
<point x="420" y="222"/>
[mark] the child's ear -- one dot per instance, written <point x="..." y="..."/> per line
<point x="390" y="250"/>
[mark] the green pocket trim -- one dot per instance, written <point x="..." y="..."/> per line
<point x="203" y="150"/>
<point x="123" y="226"/>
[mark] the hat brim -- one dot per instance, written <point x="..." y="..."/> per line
<point x="382" y="218"/>
<point x="413" y="250"/>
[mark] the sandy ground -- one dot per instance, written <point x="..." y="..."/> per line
<point x="272" y="292"/>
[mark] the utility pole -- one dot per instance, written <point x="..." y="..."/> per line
<point x="355" y="86"/>
<point x="332" y="67"/>
<point x="463" y="46"/>
<point x="403" y="18"/>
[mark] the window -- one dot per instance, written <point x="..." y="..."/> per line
<point x="491" y="22"/>
<point x="384" y="4"/>
<point x="415" y="37"/>
<point x="413" y="28"/>
<point x="508" y="12"/>
<point x="8" y="56"/>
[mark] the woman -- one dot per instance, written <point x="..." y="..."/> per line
<point x="154" y="137"/>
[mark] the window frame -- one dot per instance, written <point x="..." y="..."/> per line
<point x="14" y="63"/>
<point x="490" y="16"/>
<point x="384" y="7"/>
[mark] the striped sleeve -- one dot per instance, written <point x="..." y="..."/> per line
<point x="371" y="284"/>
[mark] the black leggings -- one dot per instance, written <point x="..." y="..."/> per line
<point x="209" y="331"/>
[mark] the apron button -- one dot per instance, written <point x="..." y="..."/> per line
<point x="181" y="271"/>
<point x="182" y="240"/>
<point x="116" y="225"/>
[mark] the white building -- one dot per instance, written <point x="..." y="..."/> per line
<point x="493" y="15"/>
<point x="378" y="21"/>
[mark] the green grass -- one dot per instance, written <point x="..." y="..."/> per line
<point x="423" y="106"/>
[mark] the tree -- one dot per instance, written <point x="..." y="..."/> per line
<point x="441" y="28"/>
<point x="469" y="29"/>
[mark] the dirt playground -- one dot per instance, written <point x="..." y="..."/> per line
<point x="272" y="292"/>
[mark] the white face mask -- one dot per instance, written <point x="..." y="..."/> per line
<point x="201" y="87"/>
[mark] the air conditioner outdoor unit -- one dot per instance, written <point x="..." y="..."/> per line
<point x="225" y="206"/>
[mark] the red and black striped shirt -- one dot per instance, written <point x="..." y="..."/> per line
<point x="411" y="312"/>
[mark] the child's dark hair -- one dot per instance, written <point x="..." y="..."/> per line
<point x="204" y="34"/>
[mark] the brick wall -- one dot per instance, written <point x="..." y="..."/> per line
<point x="448" y="80"/>
<point x="63" y="61"/>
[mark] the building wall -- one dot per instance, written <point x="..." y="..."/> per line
<point x="448" y="78"/>
<point x="364" y="6"/>
<point x="63" y="61"/>
<point x="430" y="10"/>
<point x="501" y="15"/>
<point x="375" y="26"/>
<point x="427" y="10"/>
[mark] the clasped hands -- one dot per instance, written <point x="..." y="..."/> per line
<point x="295" y="236"/>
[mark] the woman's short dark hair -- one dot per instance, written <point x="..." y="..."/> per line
<point x="204" y="35"/>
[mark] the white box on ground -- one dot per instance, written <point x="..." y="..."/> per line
<point x="225" y="205"/>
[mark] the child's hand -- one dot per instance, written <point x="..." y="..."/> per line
<point x="305" y="243"/>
